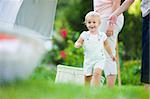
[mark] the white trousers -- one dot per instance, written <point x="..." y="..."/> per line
<point x="110" y="65"/>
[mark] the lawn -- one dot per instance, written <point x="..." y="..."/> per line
<point x="41" y="85"/>
<point x="43" y="89"/>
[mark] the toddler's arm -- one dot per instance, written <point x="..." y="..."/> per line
<point x="78" y="43"/>
<point x="108" y="49"/>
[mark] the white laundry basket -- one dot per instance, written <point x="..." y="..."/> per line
<point x="68" y="74"/>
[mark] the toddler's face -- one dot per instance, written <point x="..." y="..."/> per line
<point x="92" y="23"/>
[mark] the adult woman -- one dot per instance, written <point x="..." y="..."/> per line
<point x="105" y="8"/>
<point x="145" y="7"/>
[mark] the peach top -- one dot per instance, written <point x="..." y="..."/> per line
<point x="103" y="7"/>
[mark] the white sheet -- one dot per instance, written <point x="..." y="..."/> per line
<point x="35" y="15"/>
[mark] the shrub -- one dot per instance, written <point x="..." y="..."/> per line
<point x="44" y="73"/>
<point x="63" y="51"/>
<point x="130" y="72"/>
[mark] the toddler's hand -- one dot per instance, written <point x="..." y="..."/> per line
<point x="113" y="58"/>
<point x="77" y="45"/>
<point x="109" y="30"/>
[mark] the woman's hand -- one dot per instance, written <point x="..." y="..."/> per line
<point x="112" y="19"/>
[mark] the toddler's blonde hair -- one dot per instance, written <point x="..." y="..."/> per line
<point x="93" y="14"/>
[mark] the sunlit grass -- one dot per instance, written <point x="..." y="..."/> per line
<point x="43" y="89"/>
<point x="41" y="85"/>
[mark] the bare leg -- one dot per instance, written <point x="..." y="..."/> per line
<point x="87" y="80"/>
<point x="111" y="79"/>
<point x="97" y="76"/>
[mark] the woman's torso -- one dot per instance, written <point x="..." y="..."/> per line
<point x="103" y="7"/>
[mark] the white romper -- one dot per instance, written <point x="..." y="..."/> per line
<point x="94" y="56"/>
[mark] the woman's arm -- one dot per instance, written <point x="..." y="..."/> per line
<point x="110" y="27"/>
<point x="116" y="4"/>
<point x="78" y="43"/>
<point x="125" y="5"/>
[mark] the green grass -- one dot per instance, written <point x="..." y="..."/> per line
<point x="46" y="89"/>
<point x="41" y="86"/>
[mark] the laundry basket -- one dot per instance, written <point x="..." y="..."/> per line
<point x="69" y="74"/>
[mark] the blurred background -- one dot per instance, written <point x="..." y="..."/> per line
<point x="69" y="24"/>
